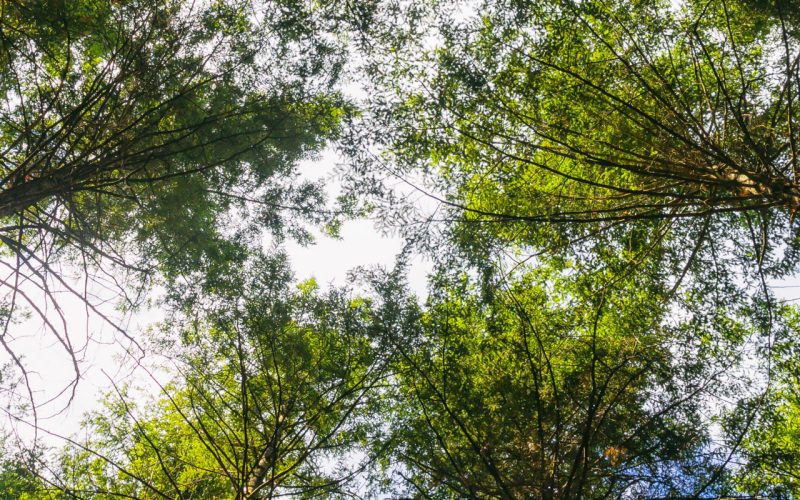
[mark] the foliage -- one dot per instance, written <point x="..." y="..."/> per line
<point x="552" y="388"/>
<point x="271" y="395"/>
<point x="111" y="105"/>
<point x="614" y="190"/>
<point x="628" y="148"/>
<point x="143" y="141"/>
<point x="18" y="473"/>
<point x="770" y="454"/>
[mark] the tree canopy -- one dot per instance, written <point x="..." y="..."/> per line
<point x="606" y="193"/>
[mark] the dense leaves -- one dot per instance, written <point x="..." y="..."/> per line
<point x="552" y="388"/>
<point x="111" y="105"/>
<point x="272" y="392"/>
<point x="644" y="153"/>
<point x="143" y="141"/>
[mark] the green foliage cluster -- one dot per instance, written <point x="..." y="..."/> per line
<point x="273" y="383"/>
<point x="130" y="128"/>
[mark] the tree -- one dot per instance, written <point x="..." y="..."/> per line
<point x="549" y="388"/>
<point x="587" y="111"/>
<point x="604" y="140"/>
<point x="133" y="134"/>
<point x="271" y="396"/>
<point x="562" y="129"/>
<point x="18" y="472"/>
<point x="616" y="187"/>
<point x="111" y="98"/>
